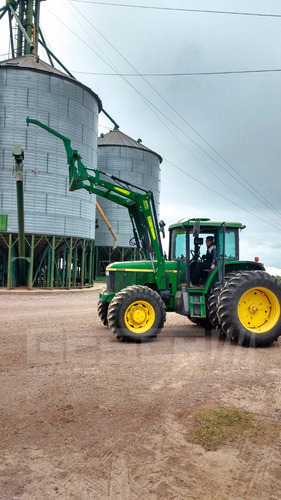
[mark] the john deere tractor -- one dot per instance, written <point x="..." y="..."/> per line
<point x="237" y="297"/>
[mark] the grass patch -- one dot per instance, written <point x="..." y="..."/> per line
<point x="217" y="425"/>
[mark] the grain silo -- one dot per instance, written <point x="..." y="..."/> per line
<point x="127" y="159"/>
<point x="59" y="225"/>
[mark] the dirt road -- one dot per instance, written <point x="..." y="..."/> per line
<point x="86" y="417"/>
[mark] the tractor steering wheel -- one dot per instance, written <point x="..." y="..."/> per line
<point x="199" y="258"/>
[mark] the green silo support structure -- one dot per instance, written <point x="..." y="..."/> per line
<point x="19" y="157"/>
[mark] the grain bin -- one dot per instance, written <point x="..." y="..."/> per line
<point x="59" y="225"/>
<point x="128" y="159"/>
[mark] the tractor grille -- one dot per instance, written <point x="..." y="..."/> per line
<point x="110" y="281"/>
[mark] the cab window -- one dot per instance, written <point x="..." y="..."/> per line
<point x="178" y="245"/>
<point x="231" y="246"/>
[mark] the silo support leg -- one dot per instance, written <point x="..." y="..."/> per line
<point x="75" y="264"/>
<point x="9" y="278"/>
<point x="69" y="264"/>
<point x="91" y="263"/>
<point x="53" y="262"/>
<point x="64" y="264"/>
<point x="31" y="264"/>
<point x="83" y="260"/>
<point x="48" y="264"/>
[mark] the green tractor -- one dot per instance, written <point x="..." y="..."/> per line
<point x="237" y="297"/>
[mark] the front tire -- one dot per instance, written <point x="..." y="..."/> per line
<point x="102" y="311"/>
<point x="136" y="313"/>
<point x="250" y="309"/>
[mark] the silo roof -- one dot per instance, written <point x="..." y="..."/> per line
<point x="33" y="63"/>
<point x="118" y="138"/>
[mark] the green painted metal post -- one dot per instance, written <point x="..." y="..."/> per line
<point x="19" y="156"/>
<point x="9" y="277"/>
<point x="91" y="263"/>
<point x="64" y="264"/>
<point x="31" y="263"/>
<point x="69" y="263"/>
<point x="58" y="269"/>
<point x="53" y="261"/>
<point x="96" y="261"/>
<point x="48" y="265"/>
<point x="83" y="263"/>
<point x="75" y="265"/>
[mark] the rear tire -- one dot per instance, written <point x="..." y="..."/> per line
<point x="136" y="313"/>
<point x="250" y="309"/>
<point x="214" y="298"/>
<point x="212" y="305"/>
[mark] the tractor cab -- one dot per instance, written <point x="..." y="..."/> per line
<point x="188" y="245"/>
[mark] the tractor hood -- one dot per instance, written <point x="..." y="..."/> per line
<point x="144" y="266"/>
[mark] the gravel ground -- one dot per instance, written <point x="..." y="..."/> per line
<point x="86" y="417"/>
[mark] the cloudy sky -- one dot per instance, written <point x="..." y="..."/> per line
<point x="219" y="134"/>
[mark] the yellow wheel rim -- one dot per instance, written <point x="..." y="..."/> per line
<point x="139" y="317"/>
<point x="259" y="310"/>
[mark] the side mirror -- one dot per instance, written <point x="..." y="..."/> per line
<point x="196" y="228"/>
<point x="162" y="227"/>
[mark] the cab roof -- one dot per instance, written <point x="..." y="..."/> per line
<point x="206" y="225"/>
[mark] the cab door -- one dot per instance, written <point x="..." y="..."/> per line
<point x="221" y="252"/>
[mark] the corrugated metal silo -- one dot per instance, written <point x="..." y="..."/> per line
<point x="122" y="156"/>
<point x="60" y="221"/>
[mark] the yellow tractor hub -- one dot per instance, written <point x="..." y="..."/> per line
<point x="259" y="310"/>
<point x="139" y="317"/>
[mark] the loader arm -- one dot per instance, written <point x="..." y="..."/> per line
<point x="140" y="205"/>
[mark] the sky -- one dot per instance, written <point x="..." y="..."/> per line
<point x="219" y="134"/>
